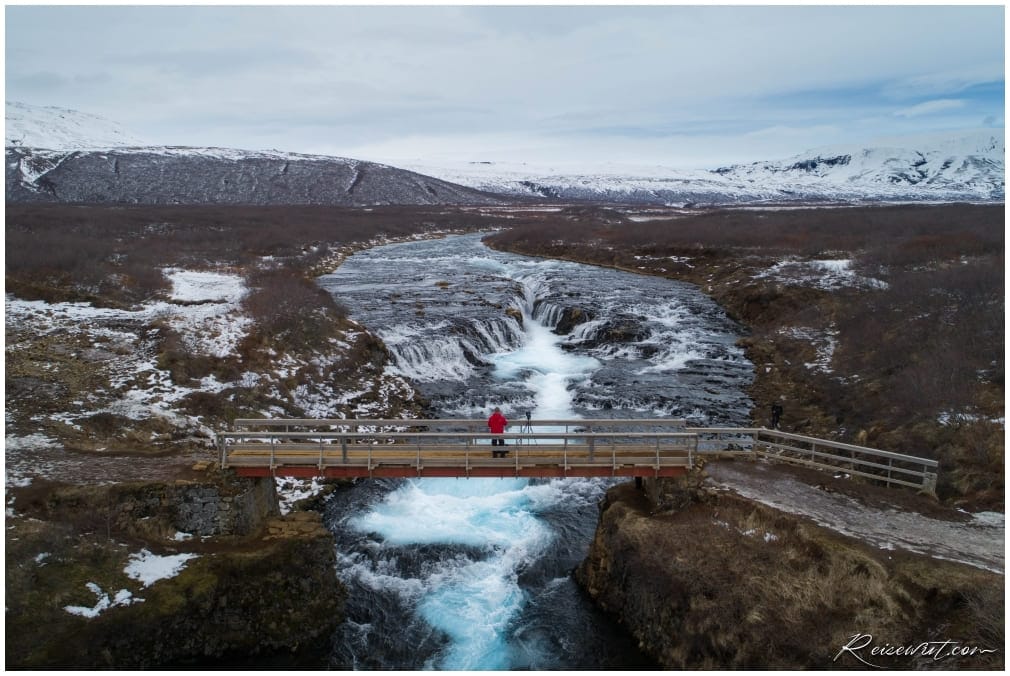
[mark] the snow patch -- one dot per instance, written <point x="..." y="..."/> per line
<point x="123" y="598"/>
<point x="199" y="286"/>
<point x="827" y="274"/>
<point x="149" y="568"/>
<point x="28" y="442"/>
<point x="291" y="491"/>
<point x="825" y="342"/>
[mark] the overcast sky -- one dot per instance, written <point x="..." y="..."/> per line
<point x="677" y="85"/>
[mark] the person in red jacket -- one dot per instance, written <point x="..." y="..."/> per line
<point x="497" y="424"/>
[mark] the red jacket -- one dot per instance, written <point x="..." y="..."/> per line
<point x="497" y="423"/>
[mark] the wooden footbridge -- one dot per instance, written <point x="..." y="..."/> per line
<point x="534" y="448"/>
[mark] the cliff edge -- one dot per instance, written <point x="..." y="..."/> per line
<point x="706" y="578"/>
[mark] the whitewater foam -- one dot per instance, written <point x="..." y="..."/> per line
<point x="477" y="561"/>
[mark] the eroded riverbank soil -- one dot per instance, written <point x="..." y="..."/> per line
<point x="706" y="578"/>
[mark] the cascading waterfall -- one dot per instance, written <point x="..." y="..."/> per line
<point x="456" y="354"/>
<point x="474" y="574"/>
<point x="548" y="314"/>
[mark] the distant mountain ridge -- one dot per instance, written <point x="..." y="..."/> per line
<point x="964" y="167"/>
<point x="60" y="155"/>
<point x="969" y="165"/>
<point x="178" y="175"/>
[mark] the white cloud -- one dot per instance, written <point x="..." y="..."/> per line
<point x="462" y="77"/>
<point x="930" y="107"/>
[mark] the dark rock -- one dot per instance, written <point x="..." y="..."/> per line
<point x="572" y="317"/>
<point x="214" y="176"/>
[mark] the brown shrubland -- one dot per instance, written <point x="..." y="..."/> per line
<point x="919" y="363"/>
<point x="918" y="366"/>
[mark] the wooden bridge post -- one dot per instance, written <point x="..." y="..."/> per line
<point x="222" y="443"/>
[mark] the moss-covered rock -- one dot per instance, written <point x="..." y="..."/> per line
<point x="263" y="588"/>
<point x="280" y="596"/>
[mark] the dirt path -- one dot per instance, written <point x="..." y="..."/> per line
<point x="34" y="457"/>
<point x="884" y="518"/>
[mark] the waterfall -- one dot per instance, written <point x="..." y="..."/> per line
<point x="455" y="353"/>
<point x="470" y="574"/>
<point x="548" y="313"/>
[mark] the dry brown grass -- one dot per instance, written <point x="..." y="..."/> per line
<point x="928" y="347"/>
<point x="728" y="583"/>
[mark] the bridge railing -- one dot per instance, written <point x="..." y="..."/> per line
<point x="450" y="424"/>
<point x="329" y="442"/>
<point x="886" y="466"/>
<point x="870" y="463"/>
<point x="590" y="439"/>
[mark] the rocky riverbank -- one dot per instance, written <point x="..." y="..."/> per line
<point x="202" y="570"/>
<point x="705" y="578"/>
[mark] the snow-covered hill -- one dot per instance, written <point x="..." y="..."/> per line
<point x="968" y="163"/>
<point x="960" y="166"/>
<point x="55" y="154"/>
<point x="62" y="129"/>
<point x="159" y="175"/>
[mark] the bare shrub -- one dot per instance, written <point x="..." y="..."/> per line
<point x="987" y="606"/>
<point x="291" y="309"/>
<point x="928" y="344"/>
<point x="113" y="254"/>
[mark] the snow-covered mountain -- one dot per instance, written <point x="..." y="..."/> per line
<point x="969" y="165"/>
<point x="62" y="129"/>
<point x="57" y="155"/>
<point x="62" y="155"/>
<point x="961" y="166"/>
<point x="178" y="175"/>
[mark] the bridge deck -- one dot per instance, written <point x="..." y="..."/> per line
<point x="576" y="460"/>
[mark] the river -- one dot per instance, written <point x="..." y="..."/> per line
<point x="474" y="574"/>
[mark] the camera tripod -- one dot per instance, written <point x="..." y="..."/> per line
<point x="526" y="431"/>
